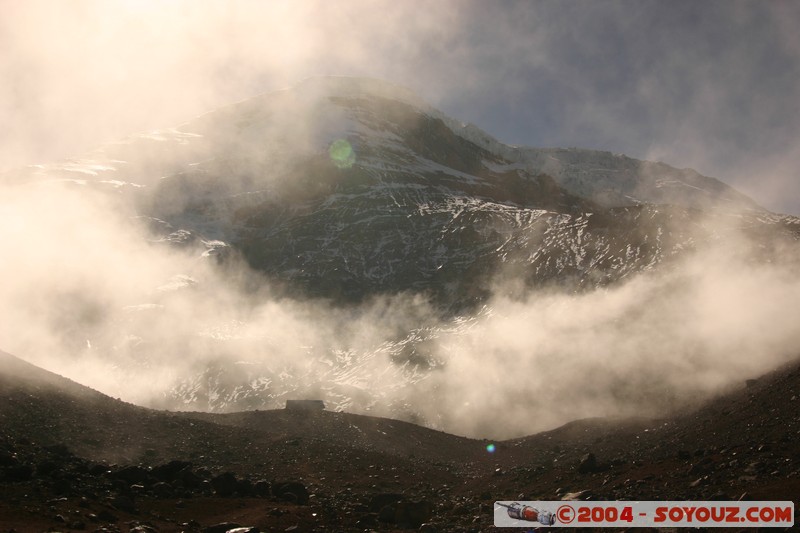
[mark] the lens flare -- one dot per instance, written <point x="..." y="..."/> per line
<point x="490" y="448"/>
<point x="342" y="153"/>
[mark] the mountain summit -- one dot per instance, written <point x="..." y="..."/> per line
<point x="344" y="191"/>
<point x="346" y="187"/>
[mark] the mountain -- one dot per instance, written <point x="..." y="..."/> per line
<point x="353" y="201"/>
<point x="72" y="458"/>
<point x="347" y="190"/>
<point x="347" y="187"/>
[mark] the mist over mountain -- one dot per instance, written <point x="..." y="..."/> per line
<point x="342" y="239"/>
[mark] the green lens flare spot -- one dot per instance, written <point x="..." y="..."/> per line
<point x="342" y="153"/>
<point x="490" y="448"/>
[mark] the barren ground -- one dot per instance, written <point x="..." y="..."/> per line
<point x="72" y="459"/>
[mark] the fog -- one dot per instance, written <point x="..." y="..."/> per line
<point x="710" y="85"/>
<point x="659" y="342"/>
<point x="89" y="294"/>
<point x="88" y="291"/>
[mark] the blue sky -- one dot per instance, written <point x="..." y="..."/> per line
<point x="711" y="85"/>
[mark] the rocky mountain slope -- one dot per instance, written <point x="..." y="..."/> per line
<point x="347" y="187"/>
<point x="72" y="459"/>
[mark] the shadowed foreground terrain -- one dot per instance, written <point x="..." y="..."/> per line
<point x="72" y="459"/>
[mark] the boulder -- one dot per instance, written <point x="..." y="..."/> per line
<point x="588" y="464"/>
<point x="225" y="484"/>
<point x="293" y="491"/>
<point x="163" y="490"/>
<point x="261" y="488"/>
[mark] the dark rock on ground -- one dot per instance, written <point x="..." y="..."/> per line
<point x="261" y="488"/>
<point x="162" y="490"/>
<point x="292" y="491"/>
<point x="222" y="527"/>
<point x="225" y="484"/>
<point x="588" y="464"/>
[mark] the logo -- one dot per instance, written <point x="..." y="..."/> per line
<point x="565" y="514"/>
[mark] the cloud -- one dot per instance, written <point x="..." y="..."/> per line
<point x="80" y="74"/>
<point x="655" y="343"/>
<point x="86" y="291"/>
<point x="708" y="85"/>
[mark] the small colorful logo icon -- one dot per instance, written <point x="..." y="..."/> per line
<point x="517" y="511"/>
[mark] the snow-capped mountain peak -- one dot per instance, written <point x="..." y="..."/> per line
<point x="352" y="189"/>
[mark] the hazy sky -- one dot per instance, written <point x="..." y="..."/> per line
<point x="711" y="85"/>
